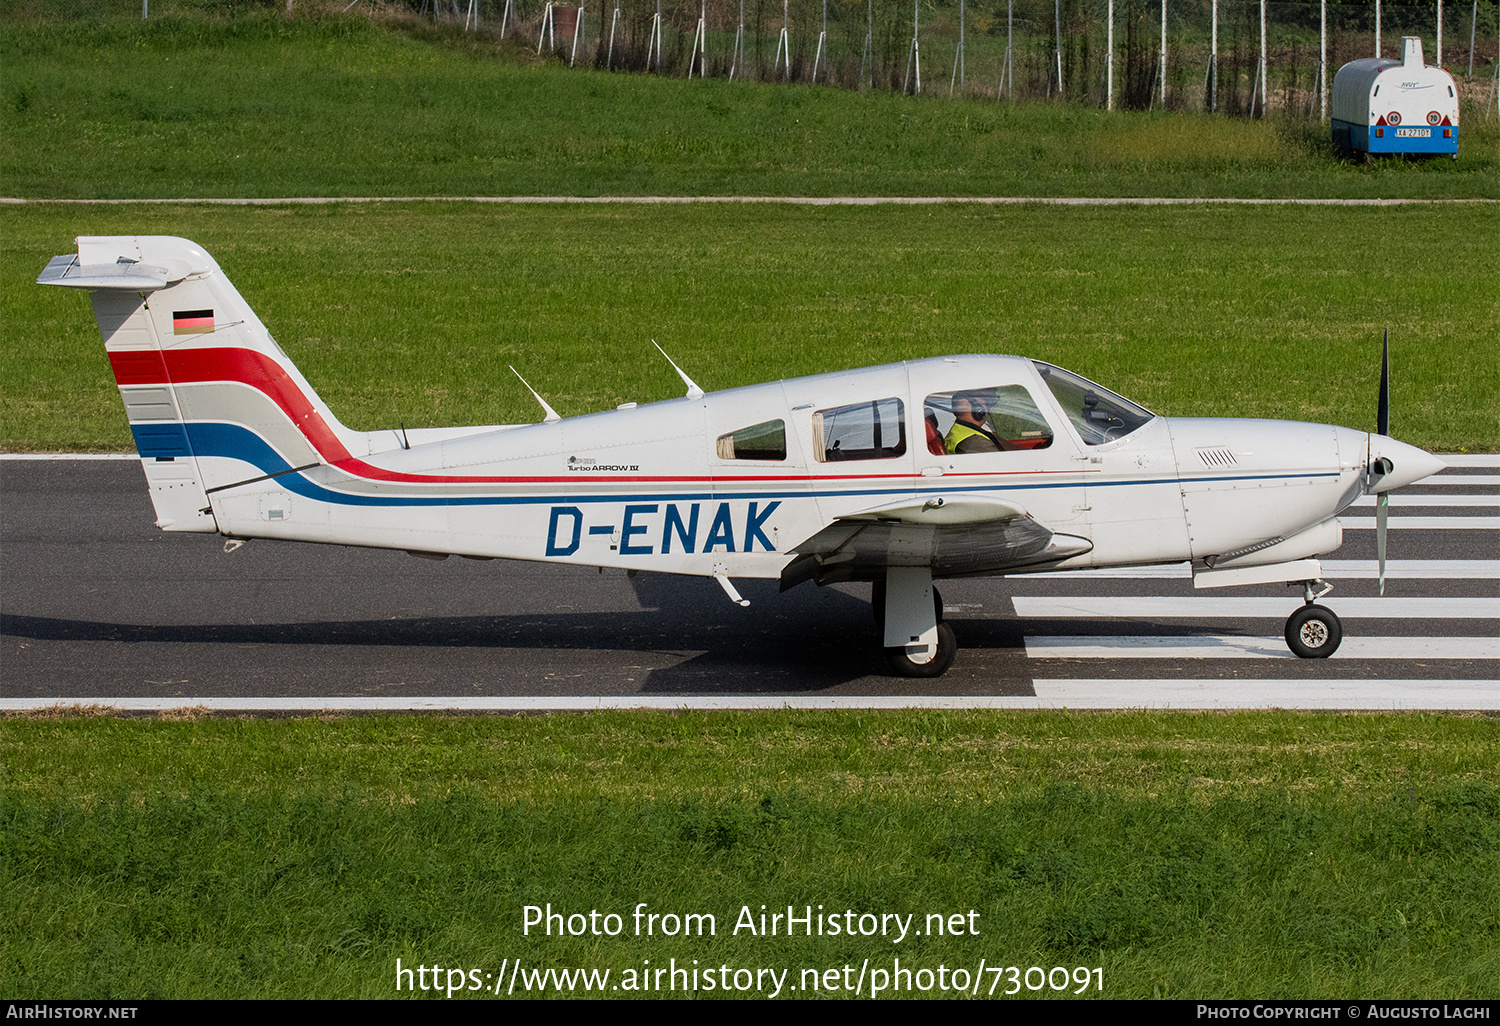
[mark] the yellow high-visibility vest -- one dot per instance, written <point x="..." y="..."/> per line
<point x="959" y="433"/>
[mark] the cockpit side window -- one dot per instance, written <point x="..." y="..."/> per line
<point x="875" y="430"/>
<point x="999" y="419"/>
<point x="764" y="441"/>
<point x="1099" y="414"/>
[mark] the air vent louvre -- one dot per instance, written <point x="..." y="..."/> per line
<point x="1219" y="457"/>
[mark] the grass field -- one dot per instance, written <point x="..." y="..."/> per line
<point x="410" y="313"/>
<point x="261" y="106"/>
<point x="1256" y="855"/>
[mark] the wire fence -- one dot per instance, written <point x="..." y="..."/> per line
<point x="1207" y="55"/>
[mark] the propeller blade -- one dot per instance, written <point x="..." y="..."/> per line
<point x="1382" y="426"/>
<point x="1383" y="410"/>
<point x="1382" y="507"/>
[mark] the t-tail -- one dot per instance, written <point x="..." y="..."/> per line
<point x="211" y="398"/>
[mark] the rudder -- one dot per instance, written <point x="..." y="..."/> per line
<point x="211" y="398"/>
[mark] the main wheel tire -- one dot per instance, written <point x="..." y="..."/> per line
<point x="947" y="647"/>
<point x="1314" y="632"/>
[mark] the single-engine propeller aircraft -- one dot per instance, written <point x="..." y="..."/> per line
<point x="954" y="466"/>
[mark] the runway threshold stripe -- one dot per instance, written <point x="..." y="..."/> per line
<point x="1051" y="694"/>
<point x="1412" y="569"/>
<point x="1477" y="459"/>
<point x="1333" y="570"/>
<point x="1404" y="499"/>
<point x="1224" y="646"/>
<point x="1268" y="694"/>
<point x="1447" y="480"/>
<point x="1384" y="607"/>
<point x="1400" y="523"/>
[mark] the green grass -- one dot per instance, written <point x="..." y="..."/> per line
<point x="1258" y="855"/>
<point x="410" y="313"/>
<point x="261" y="106"/>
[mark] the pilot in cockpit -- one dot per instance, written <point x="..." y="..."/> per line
<point x="970" y="431"/>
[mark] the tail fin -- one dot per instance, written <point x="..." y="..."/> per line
<point x="212" y="400"/>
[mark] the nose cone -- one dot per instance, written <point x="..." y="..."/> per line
<point x="1407" y="462"/>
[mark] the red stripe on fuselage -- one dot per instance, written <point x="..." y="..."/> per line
<point x="247" y="367"/>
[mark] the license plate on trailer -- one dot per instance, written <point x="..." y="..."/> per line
<point x="1413" y="133"/>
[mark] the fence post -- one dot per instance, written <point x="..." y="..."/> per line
<point x="1211" y="77"/>
<point x="1323" y="60"/>
<point x="1109" y="56"/>
<point x="1163" y="54"/>
<point x="1057" y="45"/>
<point x="1265" y="69"/>
<point x="1473" y="17"/>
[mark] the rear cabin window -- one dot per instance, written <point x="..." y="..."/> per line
<point x="875" y="430"/>
<point x="765" y="441"/>
<point x="999" y="419"/>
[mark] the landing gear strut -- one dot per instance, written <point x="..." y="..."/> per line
<point x="1314" y="631"/>
<point x="909" y="613"/>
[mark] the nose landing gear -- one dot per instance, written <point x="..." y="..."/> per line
<point x="1314" y="631"/>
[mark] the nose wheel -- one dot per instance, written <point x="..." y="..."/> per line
<point x="1314" y="631"/>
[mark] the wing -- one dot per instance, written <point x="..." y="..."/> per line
<point x="955" y="538"/>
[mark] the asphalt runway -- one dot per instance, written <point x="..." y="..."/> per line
<point x="99" y="607"/>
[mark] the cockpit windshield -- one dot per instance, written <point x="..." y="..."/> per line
<point x="1099" y="415"/>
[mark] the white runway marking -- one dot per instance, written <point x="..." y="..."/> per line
<point x="1470" y="459"/>
<point x="1222" y="646"/>
<point x="1268" y="694"/>
<point x="1051" y="694"/>
<point x="1407" y="499"/>
<point x="1333" y="570"/>
<point x="1423" y="523"/>
<point x="1385" y="607"/>
<point x="527" y="703"/>
<point x="1412" y="569"/>
<point x="1461" y="479"/>
<point x="68" y="456"/>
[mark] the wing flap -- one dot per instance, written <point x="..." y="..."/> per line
<point x="955" y="539"/>
<point x="939" y="511"/>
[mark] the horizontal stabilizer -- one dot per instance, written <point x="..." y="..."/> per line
<point x="126" y="275"/>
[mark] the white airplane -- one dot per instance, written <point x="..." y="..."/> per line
<point x="955" y="466"/>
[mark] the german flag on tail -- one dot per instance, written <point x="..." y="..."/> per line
<point x="192" y="322"/>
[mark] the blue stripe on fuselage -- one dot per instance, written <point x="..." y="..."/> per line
<point x="235" y="442"/>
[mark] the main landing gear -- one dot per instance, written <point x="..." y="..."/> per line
<point x="1314" y="631"/>
<point x="909" y="613"/>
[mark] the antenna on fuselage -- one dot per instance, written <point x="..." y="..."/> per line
<point x="693" y="392"/>
<point x="551" y="413"/>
